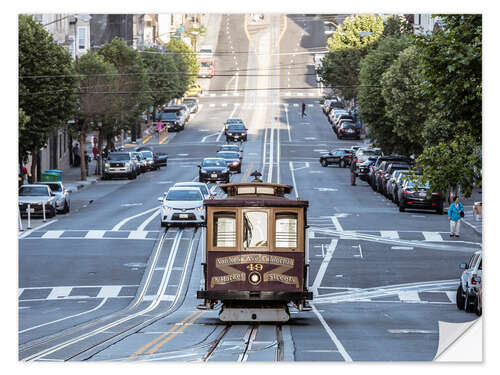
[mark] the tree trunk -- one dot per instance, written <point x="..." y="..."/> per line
<point x="99" y="154"/>
<point x="82" y="152"/>
<point x="31" y="179"/>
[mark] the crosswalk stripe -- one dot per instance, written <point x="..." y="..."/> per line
<point x="95" y="234"/>
<point x="138" y="234"/>
<point x="411" y="295"/>
<point x="20" y="291"/>
<point x="109" y="291"/>
<point x="59" y="292"/>
<point x="53" y="234"/>
<point x="452" y="296"/>
<point x="389" y="234"/>
<point x="432" y="236"/>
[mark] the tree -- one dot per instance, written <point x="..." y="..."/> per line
<point x="346" y="47"/>
<point x="406" y="104"/>
<point x="46" y="87"/>
<point x="186" y="65"/>
<point x="372" y="106"/>
<point x="452" y="69"/>
<point x="98" y="77"/>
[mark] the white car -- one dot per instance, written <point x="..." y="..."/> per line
<point x="202" y="186"/>
<point x="182" y="206"/>
<point x="471" y="277"/>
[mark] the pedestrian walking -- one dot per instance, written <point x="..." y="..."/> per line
<point x="303" y="110"/>
<point x="87" y="160"/>
<point x="95" y="151"/>
<point x="352" y="167"/>
<point x="455" y="215"/>
<point x="76" y="155"/>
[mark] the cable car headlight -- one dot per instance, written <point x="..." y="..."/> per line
<point x="235" y="163"/>
<point x="254" y="278"/>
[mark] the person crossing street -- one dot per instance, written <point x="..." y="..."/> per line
<point x="353" y="172"/>
<point x="455" y="215"/>
<point x="303" y="109"/>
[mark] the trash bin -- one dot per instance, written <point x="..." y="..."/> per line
<point x="56" y="171"/>
<point x="50" y="177"/>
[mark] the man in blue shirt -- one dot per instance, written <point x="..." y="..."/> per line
<point x="454" y="214"/>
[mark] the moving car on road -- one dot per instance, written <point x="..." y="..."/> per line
<point x="62" y="195"/>
<point x="142" y="163"/>
<point x="192" y="104"/>
<point x="232" y="159"/>
<point x="182" y="206"/>
<point x="471" y="276"/>
<point x="173" y="120"/>
<point x="120" y="164"/>
<point x="236" y="132"/>
<point x="419" y="197"/>
<point x="37" y="196"/>
<point x="232" y="147"/>
<point x="200" y="185"/>
<point x="363" y="168"/>
<point x="340" y="156"/>
<point x="151" y="160"/>
<point x="214" y="170"/>
<point x="194" y="90"/>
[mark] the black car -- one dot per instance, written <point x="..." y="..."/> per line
<point x="235" y="147"/>
<point x="173" y="120"/>
<point x="214" y="170"/>
<point x="232" y="159"/>
<point x="363" y="168"/>
<point x="341" y="157"/>
<point x="236" y="132"/>
<point x="419" y="197"/>
<point x="348" y="130"/>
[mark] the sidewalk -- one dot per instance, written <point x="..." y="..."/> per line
<point x="72" y="177"/>
<point x="469" y="220"/>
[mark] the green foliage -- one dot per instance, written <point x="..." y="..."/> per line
<point x="406" y="105"/>
<point x="340" y="67"/>
<point x="186" y="65"/>
<point x="23" y="119"/>
<point x="49" y="102"/>
<point x="372" y="105"/>
<point x="396" y="25"/>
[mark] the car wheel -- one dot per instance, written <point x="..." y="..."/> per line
<point x="50" y="213"/>
<point x="66" y="207"/>
<point x="439" y="211"/>
<point x="341" y="164"/>
<point x="469" y="303"/>
<point x="163" y="224"/>
<point x="477" y="309"/>
<point x="324" y="163"/>
<point x="401" y="208"/>
<point x="460" y="298"/>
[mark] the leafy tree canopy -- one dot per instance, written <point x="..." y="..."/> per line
<point x="186" y="63"/>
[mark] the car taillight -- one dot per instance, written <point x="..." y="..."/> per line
<point x="349" y="156"/>
<point x="473" y="280"/>
<point x="407" y="192"/>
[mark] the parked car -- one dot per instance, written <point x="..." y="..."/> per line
<point x="374" y="168"/>
<point x="152" y="162"/>
<point x="341" y="157"/>
<point x="326" y="106"/>
<point x="341" y="122"/>
<point x="471" y="276"/>
<point x="141" y="162"/>
<point x="232" y="147"/>
<point x="391" y="186"/>
<point x="335" y="113"/>
<point x="200" y="185"/>
<point x="214" y="170"/>
<point x="232" y="159"/>
<point x="348" y="130"/>
<point x="342" y="116"/>
<point x="37" y="196"/>
<point x="182" y="206"/>
<point x="397" y="186"/>
<point x="363" y="168"/>
<point x="363" y="153"/>
<point x="63" y="200"/>
<point x="388" y="174"/>
<point x="335" y="105"/>
<point x="192" y="104"/>
<point x="120" y="164"/>
<point x="162" y="159"/>
<point x="236" y="132"/>
<point x="185" y="111"/>
<point x="173" y="120"/>
<point x="194" y="90"/>
<point x="478" y="296"/>
<point x="419" y="197"/>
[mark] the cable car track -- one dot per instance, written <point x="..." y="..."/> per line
<point x="99" y="326"/>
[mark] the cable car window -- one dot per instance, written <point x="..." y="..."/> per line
<point x="265" y="190"/>
<point x="254" y="229"/>
<point x="224" y="229"/>
<point x="286" y="230"/>
<point x="246" y="190"/>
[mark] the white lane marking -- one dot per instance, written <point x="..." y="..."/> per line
<point x="130" y="204"/>
<point x="409" y="296"/>
<point x="324" y="265"/>
<point x="53" y="234"/>
<point x="336" y="223"/>
<point x="124" y="221"/>
<point x="389" y="234"/>
<point x="137" y="234"/>
<point x="162" y="298"/>
<point x="59" y="292"/>
<point x="29" y="231"/>
<point x="402" y="248"/>
<point x="295" y="190"/>
<point x="410" y="331"/>
<point x="452" y="296"/>
<point x="432" y="236"/>
<point x="66" y="317"/>
<point x="287" y="123"/>
<point x="332" y="335"/>
<point x="204" y="139"/>
<point x="109" y="291"/>
<point x="95" y="234"/>
<point x="19" y="292"/>
<point x="147" y="221"/>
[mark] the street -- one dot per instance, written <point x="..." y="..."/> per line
<point x="107" y="283"/>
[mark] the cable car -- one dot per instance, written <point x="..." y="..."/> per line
<point x="255" y="260"/>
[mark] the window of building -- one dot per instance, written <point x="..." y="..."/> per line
<point x="224" y="229"/>
<point x="286" y="230"/>
<point x="255" y="229"/>
<point x="82" y="38"/>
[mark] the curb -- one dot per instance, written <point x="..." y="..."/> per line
<point x="473" y="228"/>
<point x="81" y="185"/>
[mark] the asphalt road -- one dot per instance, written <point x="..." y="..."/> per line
<point x="106" y="282"/>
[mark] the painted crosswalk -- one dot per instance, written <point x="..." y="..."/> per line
<point x="76" y="292"/>
<point x="289" y="94"/>
<point x="93" y="235"/>
<point x="383" y="234"/>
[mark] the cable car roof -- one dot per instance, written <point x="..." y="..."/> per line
<point x="256" y="189"/>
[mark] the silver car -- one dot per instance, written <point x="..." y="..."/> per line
<point x="63" y="200"/>
<point x="182" y="206"/>
<point x="470" y="278"/>
<point x="36" y="196"/>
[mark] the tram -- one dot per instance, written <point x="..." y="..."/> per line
<point x="255" y="260"/>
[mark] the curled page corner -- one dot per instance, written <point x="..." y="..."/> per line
<point x="449" y="333"/>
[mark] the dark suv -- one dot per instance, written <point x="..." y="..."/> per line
<point x="173" y="120"/>
<point x="236" y="132"/>
<point x="341" y="157"/>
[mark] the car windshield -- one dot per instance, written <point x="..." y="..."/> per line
<point x="214" y="163"/>
<point x="190" y="104"/>
<point x="206" y="64"/>
<point x="205" y="51"/>
<point x="53" y="187"/>
<point x="33" y="191"/>
<point x="236" y="128"/>
<point x="184" y="195"/>
<point x="348" y="125"/>
<point x="369" y="152"/>
<point x="228" y="155"/>
<point x="234" y="121"/>
<point x="119" y="157"/>
<point x="168" y="116"/>
<point x="229" y="148"/>
<point x="203" y="188"/>
<point x="147" y="154"/>
<point x="411" y="184"/>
